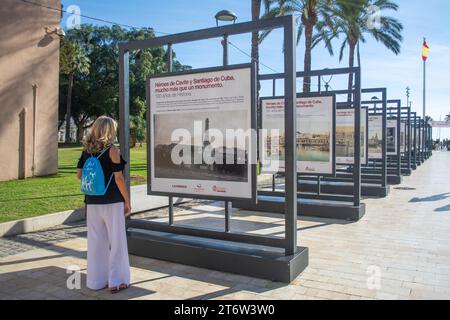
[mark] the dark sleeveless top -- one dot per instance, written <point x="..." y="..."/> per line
<point x="113" y="194"/>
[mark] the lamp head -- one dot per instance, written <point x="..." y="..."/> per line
<point x="225" y="15"/>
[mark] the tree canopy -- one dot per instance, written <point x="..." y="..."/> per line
<point x="97" y="92"/>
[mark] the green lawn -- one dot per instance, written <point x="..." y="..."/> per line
<point x="36" y="196"/>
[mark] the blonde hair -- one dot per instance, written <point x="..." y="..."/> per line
<point x="102" y="133"/>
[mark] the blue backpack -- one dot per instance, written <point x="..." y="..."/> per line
<point x="93" y="178"/>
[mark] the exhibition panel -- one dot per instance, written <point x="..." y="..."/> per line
<point x="195" y="120"/>
<point x="315" y="137"/>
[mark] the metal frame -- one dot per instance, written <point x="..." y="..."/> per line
<point x="324" y="208"/>
<point x="406" y="155"/>
<point x="253" y="170"/>
<point x="413" y="135"/>
<point x="312" y="95"/>
<point x="287" y="23"/>
<point x="375" y="109"/>
<point x="397" y="116"/>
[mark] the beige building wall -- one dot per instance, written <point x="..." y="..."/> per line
<point x="29" y="77"/>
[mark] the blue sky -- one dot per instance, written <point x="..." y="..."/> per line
<point x="380" y="67"/>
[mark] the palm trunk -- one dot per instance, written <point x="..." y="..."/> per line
<point x="256" y="9"/>
<point x="351" y="63"/>
<point x="68" y="108"/>
<point x="307" y="62"/>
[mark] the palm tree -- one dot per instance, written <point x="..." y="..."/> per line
<point x="73" y="62"/>
<point x="313" y="20"/>
<point x="353" y="21"/>
<point x="447" y="118"/>
<point x="256" y="12"/>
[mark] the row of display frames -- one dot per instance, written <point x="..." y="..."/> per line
<point x="332" y="197"/>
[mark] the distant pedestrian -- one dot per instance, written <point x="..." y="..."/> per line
<point x="107" y="204"/>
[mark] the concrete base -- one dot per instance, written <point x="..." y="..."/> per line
<point x="306" y="207"/>
<point x="240" y="258"/>
<point x="406" y="172"/>
<point x="394" y="180"/>
<point x="345" y="188"/>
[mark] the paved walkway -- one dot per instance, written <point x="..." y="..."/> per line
<point x="399" y="250"/>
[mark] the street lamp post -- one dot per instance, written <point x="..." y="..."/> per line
<point x="227" y="16"/>
<point x="407" y="96"/>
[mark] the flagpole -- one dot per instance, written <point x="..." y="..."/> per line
<point x="424" y="84"/>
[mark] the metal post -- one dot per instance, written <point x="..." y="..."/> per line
<point x="124" y="112"/>
<point x="169" y="64"/>
<point x="290" y="120"/>
<point x="424" y="87"/>
<point x="408" y="132"/>
<point x="318" y="185"/>
<point x="227" y="217"/>
<point x="399" y="124"/>
<point x="414" y="147"/>
<point x="419" y="140"/>
<point x="170" y="210"/>
<point x="384" y="141"/>
<point x="225" y="63"/>
<point x="169" y="61"/>
<point x="225" y="49"/>
<point x="357" y="126"/>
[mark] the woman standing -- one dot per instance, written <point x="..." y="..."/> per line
<point x="107" y="257"/>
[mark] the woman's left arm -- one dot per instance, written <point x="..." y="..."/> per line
<point x="80" y="166"/>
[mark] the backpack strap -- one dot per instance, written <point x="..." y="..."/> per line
<point x="104" y="150"/>
<point x="107" y="186"/>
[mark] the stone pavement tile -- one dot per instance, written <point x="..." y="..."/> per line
<point x="386" y="296"/>
<point x="283" y="293"/>
<point x="428" y="295"/>
<point x="304" y="297"/>
<point x="239" y="295"/>
<point x="331" y="295"/>
<point x="318" y="285"/>
<point x="154" y="296"/>
<point x="417" y="286"/>
<point x="364" y="293"/>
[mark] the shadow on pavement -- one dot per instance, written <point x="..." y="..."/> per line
<point x="53" y="283"/>
<point x="443" y="209"/>
<point x="437" y="197"/>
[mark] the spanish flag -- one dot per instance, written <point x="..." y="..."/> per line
<point x="425" y="50"/>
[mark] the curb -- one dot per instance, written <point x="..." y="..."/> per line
<point x="38" y="223"/>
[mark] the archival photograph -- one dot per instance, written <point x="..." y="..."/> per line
<point x="313" y="141"/>
<point x="230" y="164"/>
<point x="345" y="141"/>
<point x="390" y="137"/>
<point x="375" y="137"/>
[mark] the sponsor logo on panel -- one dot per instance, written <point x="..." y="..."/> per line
<point x="218" y="189"/>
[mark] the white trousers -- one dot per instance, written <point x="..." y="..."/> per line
<point x="107" y="256"/>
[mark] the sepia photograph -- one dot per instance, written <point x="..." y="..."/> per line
<point x="345" y="141"/>
<point x="375" y="137"/>
<point x="391" y="140"/>
<point x="313" y="141"/>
